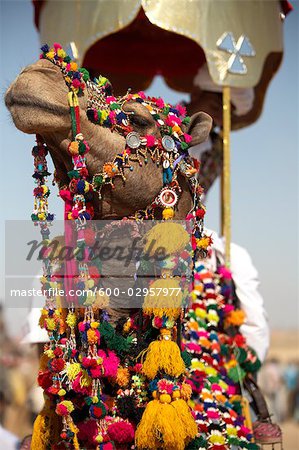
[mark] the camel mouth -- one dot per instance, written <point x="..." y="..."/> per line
<point x="12" y="101"/>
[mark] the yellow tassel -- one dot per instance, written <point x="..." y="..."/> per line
<point x="170" y="236"/>
<point x="46" y="428"/>
<point x="186" y="418"/>
<point x="75" y="430"/>
<point x="163" y="355"/>
<point x="39" y="438"/>
<point x="160" y="427"/>
<point x="164" y="298"/>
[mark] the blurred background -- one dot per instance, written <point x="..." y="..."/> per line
<point x="264" y="215"/>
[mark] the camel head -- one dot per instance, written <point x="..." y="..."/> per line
<point x="38" y="103"/>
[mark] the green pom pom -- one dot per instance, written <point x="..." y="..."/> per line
<point x="187" y="358"/>
<point x="252" y="367"/>
<point x="242" y="355"/>
<point x="233" y="440"/>
<point x="252" y="446"/>
<point x="186" y="120"/>
<point x="166" y="110"/>
<point x="85" y="73"/>
<point x="67" y="59"/>
<point x="98" y="180"/>
<point x="82" y="148"/>
<point x="237" y="407"/>
<point x="224" y="350"/>
<point x="114" y="341"/>
<point x="236" y="374"/>
<point x="184" y="146"/>
<point x="73" y="174"/>
<point x="198" y="442"/>
<point x="114" y="106"/>
<point x="34" y="217"/>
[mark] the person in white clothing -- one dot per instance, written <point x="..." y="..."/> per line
<point x="245" y="277"/>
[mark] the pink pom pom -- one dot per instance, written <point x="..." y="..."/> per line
<point x="150" y="140"/>
<point x="212" y="414"/>
<point x="188" y="138"/>
<point x="110" y="363"/>
<point x="231" y="390"/>
<point x="61" y="410"/>
<point x="76" y="83"/>
<point x="228" y="308"/>
<point x="142" y="95"/>
<point x="76" y="386"/>
<point x="88" y="431"/>
<point x="121" y="432"/>
<point x="192" y="347"/>
<point x="160" y="103"/>
<point x="181" y="109"/>
<point x="225" y="272"/>
<point x="57" y="46"/>
<point x="81" y="326"/>
<point x="65" y="194"/>
<point x="110" y="99"/>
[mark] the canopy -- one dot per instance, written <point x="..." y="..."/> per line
<point x="130" y="41"/>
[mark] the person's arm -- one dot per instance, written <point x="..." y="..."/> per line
<point x="245" y="276"/>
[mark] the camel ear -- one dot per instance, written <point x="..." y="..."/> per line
<point x="199" y="127"/>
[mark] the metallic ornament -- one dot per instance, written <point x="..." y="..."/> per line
<point x="168" y="198"/>
<point x="243" y="47"/>
<point x="168" y="143"/>
<point x="133" y="140"/>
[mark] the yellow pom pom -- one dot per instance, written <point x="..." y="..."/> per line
<point x="217" y="439"/>
<point x="92" y="336"/>
<point x="61" y="392"/>
<point x="168" y="213"/>
<point x="74" y="148"/>
<point x="90" y="283"/>
<point x="73" y="370"/>
<point x="186" y="391"/>
<point x="45" y="189"/>
<point x="165" y="398"/>
<point x="50" y="324"/>
<point x="176" y="394"/>
<point x="85" y="380"/>
<point x="71" y="320"/>
<point x="99" y="438"/>
<point x="94" y="324"/>
<point x="50" y="54"/>
<point x="69" y="405"/>
<point x="122" y="376"/>
<point x="49" y="353"/>
<point x="61" y="53"/>
<point x="170" y="236"/>
<point x="164" y="298"/>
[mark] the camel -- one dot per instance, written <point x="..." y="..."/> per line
<point x="37" y="101"/>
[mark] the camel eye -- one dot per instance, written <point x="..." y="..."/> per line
<point x="139" y="121"/>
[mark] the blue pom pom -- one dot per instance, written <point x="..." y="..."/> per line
<point x="45" y="48"/>
<point x="80" y="186"/>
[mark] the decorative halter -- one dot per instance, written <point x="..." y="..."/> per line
<point x="169" y="151"/>
<point x="86" y="355"/>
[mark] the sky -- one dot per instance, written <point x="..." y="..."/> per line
<point x="264" y="166"/>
